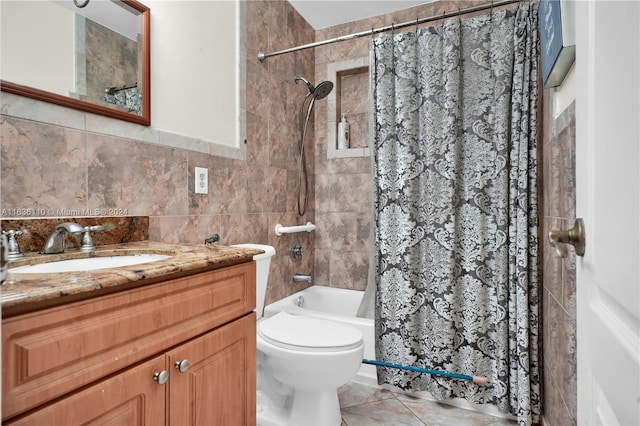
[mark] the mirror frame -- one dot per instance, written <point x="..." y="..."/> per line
<point x="144" y="119"/>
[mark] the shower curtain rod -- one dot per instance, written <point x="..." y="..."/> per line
<point x="262" y="55"/>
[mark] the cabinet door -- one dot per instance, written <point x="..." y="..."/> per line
<point x="131" y="398"/>
<point x="219" y="387"/>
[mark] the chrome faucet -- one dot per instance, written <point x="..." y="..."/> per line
<point x="56" y="240"/>
<point x="299" y="278"/>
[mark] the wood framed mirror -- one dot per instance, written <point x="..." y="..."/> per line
<point x="94" y="58"/>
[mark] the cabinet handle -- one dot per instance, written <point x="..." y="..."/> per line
<point x="183" y="365"/>
<point x="161" y="377"/>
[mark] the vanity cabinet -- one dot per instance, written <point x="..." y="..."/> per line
<point x="94" y="361"/>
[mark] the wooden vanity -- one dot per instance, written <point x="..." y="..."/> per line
<point x="178" y="351"/>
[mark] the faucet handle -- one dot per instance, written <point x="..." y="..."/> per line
<point x="13" y="251"/>
<point x="87" y="241"/>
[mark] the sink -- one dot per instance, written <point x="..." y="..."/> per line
<point x="88" y="263"/>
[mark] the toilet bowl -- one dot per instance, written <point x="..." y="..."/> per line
<point x="301" y="361"/>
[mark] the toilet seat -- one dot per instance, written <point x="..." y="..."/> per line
<point x="304" y="333"/>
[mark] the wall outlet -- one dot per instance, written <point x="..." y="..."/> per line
<point x="202" y="180"/>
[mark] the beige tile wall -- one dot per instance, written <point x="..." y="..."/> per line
<point x="558" y="274"/>
<point x="111" y="48"/>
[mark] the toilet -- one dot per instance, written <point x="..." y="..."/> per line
<point x="301" y="361"/>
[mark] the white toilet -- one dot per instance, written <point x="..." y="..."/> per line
<point x="302" y="361"/>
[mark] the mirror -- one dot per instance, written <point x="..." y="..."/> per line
<point x="95" y="56"/>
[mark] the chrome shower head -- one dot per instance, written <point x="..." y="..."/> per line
<point x="321" y="91"/>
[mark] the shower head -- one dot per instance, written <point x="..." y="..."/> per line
<point x="321" y="91"/>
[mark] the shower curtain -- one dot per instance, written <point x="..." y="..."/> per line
<point x="455" y="208"/>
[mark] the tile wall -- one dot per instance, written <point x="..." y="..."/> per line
<point x="558" y="274"/>
<point x="108" y="47"/>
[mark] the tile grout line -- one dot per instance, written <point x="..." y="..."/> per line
<point x="411" y="411"/>
<point x="393" y="396"/>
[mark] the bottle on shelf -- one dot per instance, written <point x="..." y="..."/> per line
<point x="343" y="133"/>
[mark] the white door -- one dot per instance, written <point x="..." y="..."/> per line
<point x="608" y="198"/>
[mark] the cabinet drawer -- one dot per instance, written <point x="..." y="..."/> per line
<point x="48" y="353"/>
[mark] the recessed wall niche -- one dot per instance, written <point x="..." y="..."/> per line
<point x="352" y="98"/>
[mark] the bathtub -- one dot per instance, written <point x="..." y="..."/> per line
<point x="335" y="304"/>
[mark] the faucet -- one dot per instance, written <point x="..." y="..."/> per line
<point x="299" y="278"/>
<point x="56" y="240"/>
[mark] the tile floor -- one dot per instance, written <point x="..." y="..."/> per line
<point x="363" y="405"/>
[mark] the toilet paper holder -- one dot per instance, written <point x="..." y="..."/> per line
<point x="574" y="236"/>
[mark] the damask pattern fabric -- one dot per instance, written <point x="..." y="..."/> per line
<point x="455" y="208"/>
<point x="129" y="99"/>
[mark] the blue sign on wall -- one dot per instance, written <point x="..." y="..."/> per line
<point x="557" y="56"/>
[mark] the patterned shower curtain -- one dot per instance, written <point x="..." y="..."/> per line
<point x="455" y="208"/>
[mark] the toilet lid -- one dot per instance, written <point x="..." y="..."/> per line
<point x="301" y="332"/>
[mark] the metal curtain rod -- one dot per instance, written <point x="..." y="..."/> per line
<point x="262" y="56"/>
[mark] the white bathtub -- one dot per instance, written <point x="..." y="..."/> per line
<point x="334" y="304"/>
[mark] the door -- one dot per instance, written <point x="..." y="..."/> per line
<point x="608" y="198"/>
<point x="216" y="385"/>
<point x="130" y="398"/>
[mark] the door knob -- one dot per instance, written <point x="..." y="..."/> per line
<point x="574" y="236"/>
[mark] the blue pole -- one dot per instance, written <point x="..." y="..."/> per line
<point x="476" y="379"/>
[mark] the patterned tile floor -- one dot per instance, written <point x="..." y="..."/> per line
<point x="363" y="405"/>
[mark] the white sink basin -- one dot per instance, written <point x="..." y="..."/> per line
<point x="88" y="264"/>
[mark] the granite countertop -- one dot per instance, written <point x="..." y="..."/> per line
<point x="25" y="292"/>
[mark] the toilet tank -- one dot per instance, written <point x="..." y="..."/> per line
<point x="263" y="261"/>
